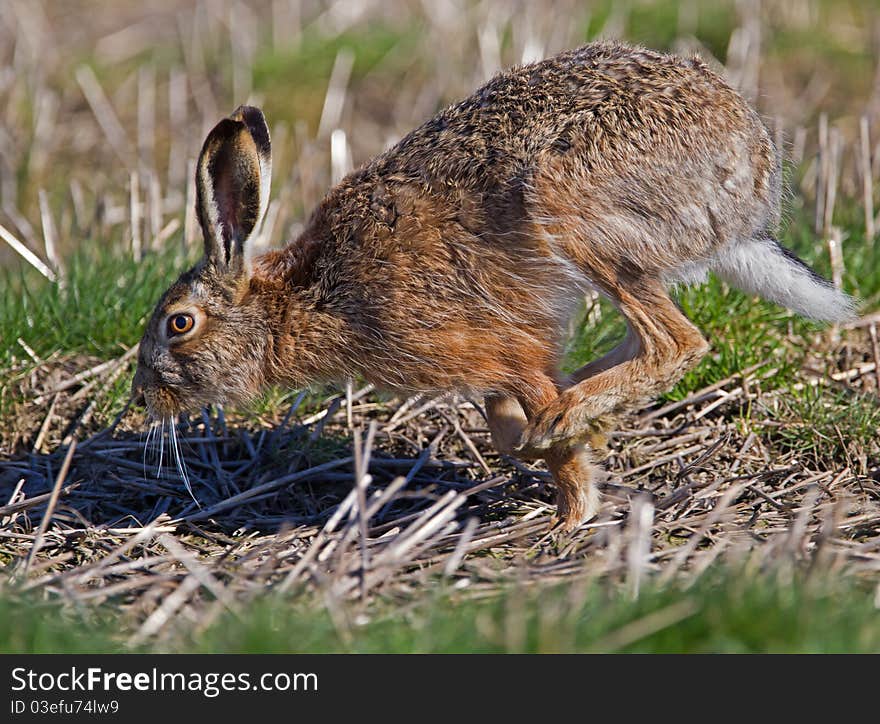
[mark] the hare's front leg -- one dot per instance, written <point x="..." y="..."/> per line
<point x="661" y="346"/>
<point x="575" y="475"/>
<point x="507" y="421"/>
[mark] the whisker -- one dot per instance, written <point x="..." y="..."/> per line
<point x="181" y="465"/>
<point x="161" y="451"/>
<point x="150" y="430"/>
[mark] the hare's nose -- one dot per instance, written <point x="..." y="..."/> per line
<point x="143" y="377"/>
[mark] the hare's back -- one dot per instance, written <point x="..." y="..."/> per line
<point x="620" y="151"/>
<point x="605" y="103"/>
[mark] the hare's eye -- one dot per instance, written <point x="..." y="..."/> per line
<point x="180" y="324"/>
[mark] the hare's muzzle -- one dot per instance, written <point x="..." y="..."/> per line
<point x="147" y="390"/>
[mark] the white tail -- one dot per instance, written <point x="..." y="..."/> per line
<point x="763" y="267"/>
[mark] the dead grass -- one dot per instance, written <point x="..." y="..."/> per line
<point x="312" y="503"/>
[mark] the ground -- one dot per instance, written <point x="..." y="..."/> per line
<point x="741" y="510"/>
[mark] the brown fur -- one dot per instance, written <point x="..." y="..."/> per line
<point x="455" y="259"/>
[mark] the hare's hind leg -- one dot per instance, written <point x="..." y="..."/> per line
<point x="623" y="352"/>
<point x="663" y="346"/>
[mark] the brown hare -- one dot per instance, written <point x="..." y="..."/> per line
<point x="454" y="260"/>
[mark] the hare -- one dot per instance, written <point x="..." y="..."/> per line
<point x="454" y="260"/>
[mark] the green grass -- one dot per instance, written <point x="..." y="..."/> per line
<point x="728" y="611"/>
<point x="825" y="426"/>
<point x="104" y="305"/>
<point x="36" y="627"/>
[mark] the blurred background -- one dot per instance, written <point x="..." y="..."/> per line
<point x="105" y="104"/>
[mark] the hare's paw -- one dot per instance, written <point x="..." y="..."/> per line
<point x="560" y="421"/>
<point x="575" y="509"/>
<point x="567" y="419"/>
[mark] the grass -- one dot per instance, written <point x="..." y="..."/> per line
<point x="728" y="610"/>
<point x="35" y="627"/>
<point x="826" y="426"/>
<point x="103" y="307"/>
<point x="725" y="612"/>
<point x="783" y="462"/>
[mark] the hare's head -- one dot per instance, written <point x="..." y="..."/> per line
<point x="207" y="339"/>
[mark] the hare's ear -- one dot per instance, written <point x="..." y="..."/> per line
<point x="232" y="188"/>
<point x="256" y="123"/>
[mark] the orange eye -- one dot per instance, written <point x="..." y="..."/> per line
<point x="180" y="324"/>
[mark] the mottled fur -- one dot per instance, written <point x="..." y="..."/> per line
<point x="455" y="259"/>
